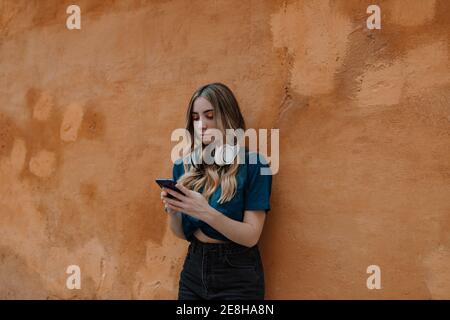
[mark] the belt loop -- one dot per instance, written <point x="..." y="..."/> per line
<point x="196" y="245"/>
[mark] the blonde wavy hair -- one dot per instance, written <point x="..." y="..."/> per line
<point x="228" y="116"/>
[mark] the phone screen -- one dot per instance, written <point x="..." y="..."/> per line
<point x="170" y="184"/>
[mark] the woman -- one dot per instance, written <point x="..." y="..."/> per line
<point x="223" y="208"/>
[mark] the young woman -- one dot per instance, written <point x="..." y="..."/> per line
<point x="223" y="208"/>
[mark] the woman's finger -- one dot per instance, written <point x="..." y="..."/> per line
<point x="183" y="189"/>
<point x="177" y="195"/>
<point x="174" y="202"/>
<point x="174" y="207"/>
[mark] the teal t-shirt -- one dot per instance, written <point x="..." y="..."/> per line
<point x="253" y="193"/>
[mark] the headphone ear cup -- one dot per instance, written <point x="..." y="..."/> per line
<point x="218" y="156"/>
<point x="225" y="154"/>
<point x="230" y="153"/>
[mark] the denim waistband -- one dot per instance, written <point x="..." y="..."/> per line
<point x="228" y="247"/>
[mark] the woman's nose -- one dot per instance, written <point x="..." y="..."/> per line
<point x="200" y="128"/>
<point x="202" y="125"/>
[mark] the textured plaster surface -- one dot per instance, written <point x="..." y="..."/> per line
<point x="364" y="118"/>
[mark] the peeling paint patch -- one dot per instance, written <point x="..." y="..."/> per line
<point x="18" y="154"/>
<point x="43" y="107"/>
<point x="71" y="122"/>
<point x="43" y="163"/>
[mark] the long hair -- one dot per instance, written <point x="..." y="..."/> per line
<point x="228" y="116"/>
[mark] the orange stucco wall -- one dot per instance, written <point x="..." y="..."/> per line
<point x="364" y="118"/>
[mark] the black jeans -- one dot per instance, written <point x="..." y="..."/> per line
<point x="221" y="271"/>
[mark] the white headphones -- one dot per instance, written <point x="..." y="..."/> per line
<point x="223" y="155"/>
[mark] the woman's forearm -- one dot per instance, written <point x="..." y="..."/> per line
<point x="175" y="225"/>
<point x="239" y="232"/>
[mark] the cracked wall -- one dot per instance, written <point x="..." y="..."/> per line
<point x="364" y="119"/>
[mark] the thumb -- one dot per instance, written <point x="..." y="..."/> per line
<point x="183" y="189"/>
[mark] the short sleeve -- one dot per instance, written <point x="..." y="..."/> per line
<point x="258" y="186"/>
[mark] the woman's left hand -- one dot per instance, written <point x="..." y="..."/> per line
<point x="192" y="203"/>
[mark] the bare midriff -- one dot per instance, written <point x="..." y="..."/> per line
<point x="204" y="238"/>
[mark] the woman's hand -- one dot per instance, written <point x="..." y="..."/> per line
<point x="192" y="203"/>
<point x="166" y="208"/>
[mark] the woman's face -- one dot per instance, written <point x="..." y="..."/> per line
<point x="203" y="118"/>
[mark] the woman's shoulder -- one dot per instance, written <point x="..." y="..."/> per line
<point x="178" y="166"/>
<point x="255" y="158"/>
<point x="181" y="160"/>
<point x="178" y="162"/>
<point x="256" y="164"/>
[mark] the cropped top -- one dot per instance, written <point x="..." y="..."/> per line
<point x="252" y="193"/>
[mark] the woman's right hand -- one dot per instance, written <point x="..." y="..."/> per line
<point x="164" y="195"/>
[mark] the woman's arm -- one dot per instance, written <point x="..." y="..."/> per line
<point x="175" y="225"/>
<point x="193" y="203"/>
<point x="246" y="233"/>
<point x="175" y="218"/>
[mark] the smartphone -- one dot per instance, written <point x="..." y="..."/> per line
<point x="169" y="184"/>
